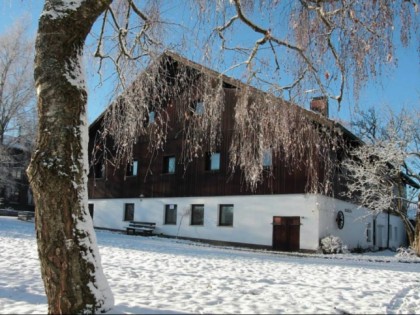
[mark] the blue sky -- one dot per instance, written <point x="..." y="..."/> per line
<point x="398" y="87"/>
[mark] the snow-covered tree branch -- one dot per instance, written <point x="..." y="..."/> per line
<point x="383" y="174"/>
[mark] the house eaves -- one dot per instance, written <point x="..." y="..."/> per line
<point x="331" y="124"/>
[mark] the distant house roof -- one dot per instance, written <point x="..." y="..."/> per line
<point x="17" y="143"/>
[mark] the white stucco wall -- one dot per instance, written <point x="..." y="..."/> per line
<point x="252" y="218"/>
<point x="356" y="222"/>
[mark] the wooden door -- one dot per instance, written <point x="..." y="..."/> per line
<point x="286" y="233"/>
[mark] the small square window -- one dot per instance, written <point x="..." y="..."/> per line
<point x="132" y="168"/>
<point x="170" y="214"/>
<point x="17" y="173"/>
<point x="197" y="215"/>
<point x="129" y="212"/>
<point x="169" y="165"/>
<point x="267" y="159"/>
<point x="213" y="161"/>
<point x="199" y="108"/>
<point x="226" y="215"/>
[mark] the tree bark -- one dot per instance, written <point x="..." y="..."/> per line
<point x="69" y="256"/>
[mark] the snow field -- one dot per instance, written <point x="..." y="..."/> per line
<point x="161" y="276"/>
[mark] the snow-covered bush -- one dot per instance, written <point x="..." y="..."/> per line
<point x="332" y="245"/>
<point x="407" y="253"/>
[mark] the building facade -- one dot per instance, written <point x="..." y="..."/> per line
<point x="204" y="200"/>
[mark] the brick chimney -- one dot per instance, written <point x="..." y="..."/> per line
<point x="319" y="104"/>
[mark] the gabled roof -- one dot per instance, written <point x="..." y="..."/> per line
<point x="239" y="85"/>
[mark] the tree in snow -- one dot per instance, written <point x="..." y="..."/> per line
<point x="70" y="262"/>
<point x="383" y="174"/>
<point x="307" y="45"/>
<point x="17" y="100"/>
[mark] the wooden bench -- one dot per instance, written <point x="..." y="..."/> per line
<point x="139" y="227"/>
<point x="25" y="215"/>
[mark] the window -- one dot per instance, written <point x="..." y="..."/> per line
<point x="169" y="165"/>
<point x="213" y="161"/>
<point x="152" y="117"/>
<point x="226" y="215"/>
<point x="129" y="212"/>
<point x="91" y="207"/>
<point x="199" y="108"/>
<point x="267" y="159"/>
<point x="132" y="168"/>
<point x="197" y="215"/>
<point x="99" y="169"/>
<point x="170" y="214"/>
<point x="17" y="173"/>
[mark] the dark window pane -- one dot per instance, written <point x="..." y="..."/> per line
<point x="99" y="169"/>
<point x="170" y="214"/>
<point x="129" y="212"/>
<point x="197" y="215"/>
<point x="226" y="215"/>
<point x="91" y="207"/>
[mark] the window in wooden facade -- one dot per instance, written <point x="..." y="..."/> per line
<point x="129" y="212"/>
<point x="132" y="168"/>
<point x="169" y="164"/>
<point x="199" y="108"/>
<point x="170" y="214"/>
<point x="226" y="215"/>
<point x="267" y="159"/>
<point x="197" y="215"/>
<point x="152" y="117"/>
<point x="213" y="161"/>
<point x="99" y="169"/>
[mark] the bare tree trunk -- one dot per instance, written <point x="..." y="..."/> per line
<point x="70" y="261"/>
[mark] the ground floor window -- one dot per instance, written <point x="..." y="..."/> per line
<point x="226" y="215"/>
<point x="170" y="214"/>
<point x="129" y="212"/>
<point x="197" y="215"/>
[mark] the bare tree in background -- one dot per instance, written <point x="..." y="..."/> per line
<point x="17" y="103"/>
<point x="315" y="45"/>
<point x="383" y="174"/>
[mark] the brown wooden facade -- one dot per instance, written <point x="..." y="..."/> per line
<point x="195" y="179"/>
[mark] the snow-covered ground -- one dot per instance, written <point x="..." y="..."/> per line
<point x="158" y="275"/>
